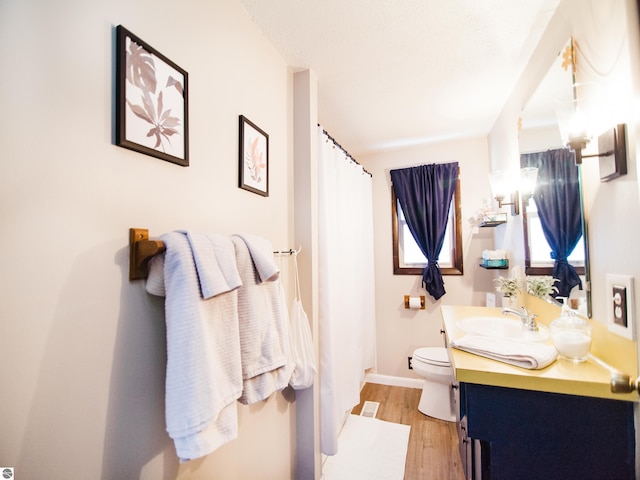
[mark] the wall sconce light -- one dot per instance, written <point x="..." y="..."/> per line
<point x="501" y="188"/>
<point x="612" y="151"/>
<point x="528" y="178"/>
<point x="505" y="185"/>
<point x="613" y="160"/>
<point x="573" y="122"/>
<point x="577" y="119"/>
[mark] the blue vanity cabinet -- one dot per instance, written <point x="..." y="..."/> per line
<point x="508" y="433"/>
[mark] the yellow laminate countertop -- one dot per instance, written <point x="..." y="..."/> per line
<point x="588" y="378"/>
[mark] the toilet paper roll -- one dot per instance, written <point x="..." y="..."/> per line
<point x="414" y="302"/>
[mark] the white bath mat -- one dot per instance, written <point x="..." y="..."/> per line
<point x="369" y="449"/>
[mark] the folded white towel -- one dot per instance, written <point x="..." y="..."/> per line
<point x="264" y="326"/>
<point x="204" y="374"/>
<point x="261" y="253"/>
<point x="526" y="355"/>
<point x="215" y="261"/>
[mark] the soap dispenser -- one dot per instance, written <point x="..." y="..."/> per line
<point x="571" y="335"/>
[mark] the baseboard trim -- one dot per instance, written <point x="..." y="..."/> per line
<point x="394" y="381"/>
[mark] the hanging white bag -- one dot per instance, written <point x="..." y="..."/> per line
<point x="302" y="353"/>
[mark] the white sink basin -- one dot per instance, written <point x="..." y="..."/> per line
<point x="502" y="327"/>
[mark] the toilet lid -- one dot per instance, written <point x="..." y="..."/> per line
<point x="433" y="355"/>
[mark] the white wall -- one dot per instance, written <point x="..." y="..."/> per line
<point x="401" y="331"/>
<point x="83" y="354"/>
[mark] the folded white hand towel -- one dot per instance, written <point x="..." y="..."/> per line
<point x="263" y="320"/>
<point x="215" y="260"/>
<point x="526" y="355"/>
<point x="261" y="253"/>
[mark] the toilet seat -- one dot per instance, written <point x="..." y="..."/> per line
<point x="433" y="356"/>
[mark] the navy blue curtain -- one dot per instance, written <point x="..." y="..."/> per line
<point x="424" y="193"/>
<point x="557" y="197"/>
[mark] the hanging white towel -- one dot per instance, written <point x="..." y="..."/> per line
<point x="261" y="252"/>
<point x="215" y="261"/>
<point x="198" y="277"/>
<point x="525" y="355"/>
<point x="264" y="326"/>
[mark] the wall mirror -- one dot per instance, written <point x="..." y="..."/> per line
<point x="539" y="137"/>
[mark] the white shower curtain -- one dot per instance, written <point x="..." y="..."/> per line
<point x="346" y="279"/>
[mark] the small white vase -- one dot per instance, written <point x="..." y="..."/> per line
<point x="510" y="302"/>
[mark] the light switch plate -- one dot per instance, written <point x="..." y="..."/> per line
<point x="491" y="299"/>
<point x="620" y="305"/>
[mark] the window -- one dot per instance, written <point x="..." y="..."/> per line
<point x="538" y="259"/>
<point x="407" y="256"/>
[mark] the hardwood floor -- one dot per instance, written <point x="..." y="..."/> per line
<point x="433" y="444"/>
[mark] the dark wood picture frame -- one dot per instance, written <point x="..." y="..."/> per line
<point x="253" y="166"/>
<point x="152" y="115"/>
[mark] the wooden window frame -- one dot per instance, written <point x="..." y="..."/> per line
<point x="456" y="250"/>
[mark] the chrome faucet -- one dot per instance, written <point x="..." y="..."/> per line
<point x="528" y="319"/>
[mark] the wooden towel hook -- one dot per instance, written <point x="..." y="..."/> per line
<point x="141" y="249"/>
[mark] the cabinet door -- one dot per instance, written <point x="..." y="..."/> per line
<point x="538" y="435"/>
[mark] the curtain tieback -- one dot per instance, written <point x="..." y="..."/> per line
<point x="559" y="259"/>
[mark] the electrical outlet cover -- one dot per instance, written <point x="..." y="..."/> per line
<point x="620" y="305"/>
<point x="491" y="299"/>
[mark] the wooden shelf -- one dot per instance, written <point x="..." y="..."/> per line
<point x="502" y="267"/>
<point x="492" y="224"/>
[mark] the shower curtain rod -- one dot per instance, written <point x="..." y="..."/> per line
<point x="345" y="152"/>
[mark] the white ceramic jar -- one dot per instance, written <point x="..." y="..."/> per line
<point x="571" y="336"/>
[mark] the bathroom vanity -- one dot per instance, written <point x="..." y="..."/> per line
<point x="508" y="433"/>
<point x="558" y="422"/>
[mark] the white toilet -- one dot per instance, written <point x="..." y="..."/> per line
<point x="433" y="364"/>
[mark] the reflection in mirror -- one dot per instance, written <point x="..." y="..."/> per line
<point x="553" y="223"/>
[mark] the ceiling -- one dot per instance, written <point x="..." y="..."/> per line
<point x="406" y="72"/>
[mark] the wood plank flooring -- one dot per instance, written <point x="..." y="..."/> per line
<point x="433" y="444"/>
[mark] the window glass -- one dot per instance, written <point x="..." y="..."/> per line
<point x="538" y="259"/>
<point x="410" y="253"/>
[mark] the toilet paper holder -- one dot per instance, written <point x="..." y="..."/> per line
<point x="414" y="302"/>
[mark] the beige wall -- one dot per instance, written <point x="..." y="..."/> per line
<point x="83" y="350"/>
<point x="401" y="331"/>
